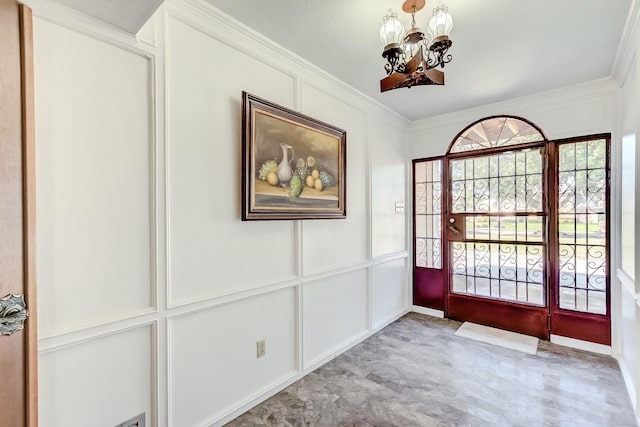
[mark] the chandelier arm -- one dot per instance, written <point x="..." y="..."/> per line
<point x="445" y="60"/>
<point x="430" y="62"/>
<point x="388" y="68"/>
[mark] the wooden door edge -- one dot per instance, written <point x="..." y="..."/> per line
<point x="29" y="213"/>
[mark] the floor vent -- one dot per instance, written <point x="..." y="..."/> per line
<point x="133" y="422"/>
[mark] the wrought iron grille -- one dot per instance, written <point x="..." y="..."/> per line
<point x="503" y="251"/>
<point x="506" y="182"/>
<point x="428" y="214"/>
<point x="582" y="226"/>
<point x="498" y="270"/>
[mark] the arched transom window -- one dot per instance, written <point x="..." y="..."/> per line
<point x="496" y="132"/>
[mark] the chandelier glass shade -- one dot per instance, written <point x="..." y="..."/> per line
<point x="412" y="57"/>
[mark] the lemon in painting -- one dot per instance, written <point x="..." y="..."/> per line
<point x="318" y="184"/>
<point x="310" y="181"/>
<point x="272" y="178"/>
<point x="315" y="174"/>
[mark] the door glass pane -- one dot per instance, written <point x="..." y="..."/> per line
<point x="506" y="182"/>
<point x="582" y="226"/>
<point x="497" y="270"/>
<point x="428" y="213"/>
<point x="499" y="196"/>
<point x="505" y="228"/>
<point x="496" y="132"/>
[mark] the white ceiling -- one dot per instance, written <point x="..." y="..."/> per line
<point x="128" y="15"/>
<point x="501" y="48"/>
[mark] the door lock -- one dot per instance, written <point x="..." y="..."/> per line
<point x="13" y="313"/>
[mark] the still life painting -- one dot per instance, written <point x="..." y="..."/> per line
<point x="294" y="167"/>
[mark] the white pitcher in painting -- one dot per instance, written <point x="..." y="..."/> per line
<point x="284" y="168"/>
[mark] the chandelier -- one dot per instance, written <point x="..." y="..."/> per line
<point x="411" y="57"/>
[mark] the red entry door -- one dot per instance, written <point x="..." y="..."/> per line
<point x="511" y="231"/>
<point x="496" y="234"/>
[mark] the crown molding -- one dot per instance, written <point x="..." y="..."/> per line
<point x="628" y="45"/>
<point x="565" y="95"/>
<point x="73" y="20"/>
<point x="241" y="37"/>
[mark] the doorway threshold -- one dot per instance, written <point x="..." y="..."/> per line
<point x="512" y="340"/>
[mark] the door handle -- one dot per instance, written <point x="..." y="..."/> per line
<point x="453" y="228"/>
<point x="13" y="313"/>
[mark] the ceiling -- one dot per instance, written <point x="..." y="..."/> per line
<point x="128" y="15"/>
<point x="502" y="49"/>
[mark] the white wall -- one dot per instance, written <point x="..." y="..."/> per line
<point x="583" y="109"/>
<point x="627" y="73"/>
<point x="628" y="339"/>
<point x="152" y="291"/>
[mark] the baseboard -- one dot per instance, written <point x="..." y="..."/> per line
<point x="254" y="401"/>
<point x="310" y="367"/>
<point x="428" y="311"/>
<point x="581" y="345"/>
<point x="628" y="382"/>
<point x="341" y="348"/>
<point x="389" y="320"/>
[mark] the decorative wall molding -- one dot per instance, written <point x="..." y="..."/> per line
<point x="574" y="94"/>
<point x="62" y="341"/>
<point x="123" y="322"/>
<point x="209" y="21"/>
<point x="198" y="16"/>
<point x="73" y="20"/>
<point x="331" y="272"/>
<point x="216" y="25"/>
<point x="383" y="259"/>
<point x="69" y="19"/>
<point x="355" y="100"/>
<point x="627" y="284"/>
<point x="626" y="52"/>
<point x="335" y="352"/>
<point x="207" y="303"/>
<point x="241" y="37"/>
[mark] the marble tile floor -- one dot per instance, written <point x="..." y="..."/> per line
<point x="415" y="372"/>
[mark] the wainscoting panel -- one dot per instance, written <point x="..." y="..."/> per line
<point x="101" y="382"/>
<point x="139" y="196"/>
<point x="388" y="186"/>
<point x="213" y="360"/>
<point x="388" y="291"/>
<point x="334" y="313"/>
<point x="331" y="244"/>
<point x="94" y="152"/>
<point x="212" y="252"/>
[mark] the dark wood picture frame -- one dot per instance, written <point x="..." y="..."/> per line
<point x="294" y="167"/>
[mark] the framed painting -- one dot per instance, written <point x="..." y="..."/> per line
<point x="294" y="167"/>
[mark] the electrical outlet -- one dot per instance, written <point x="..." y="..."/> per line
<point x="261" y="348"/>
